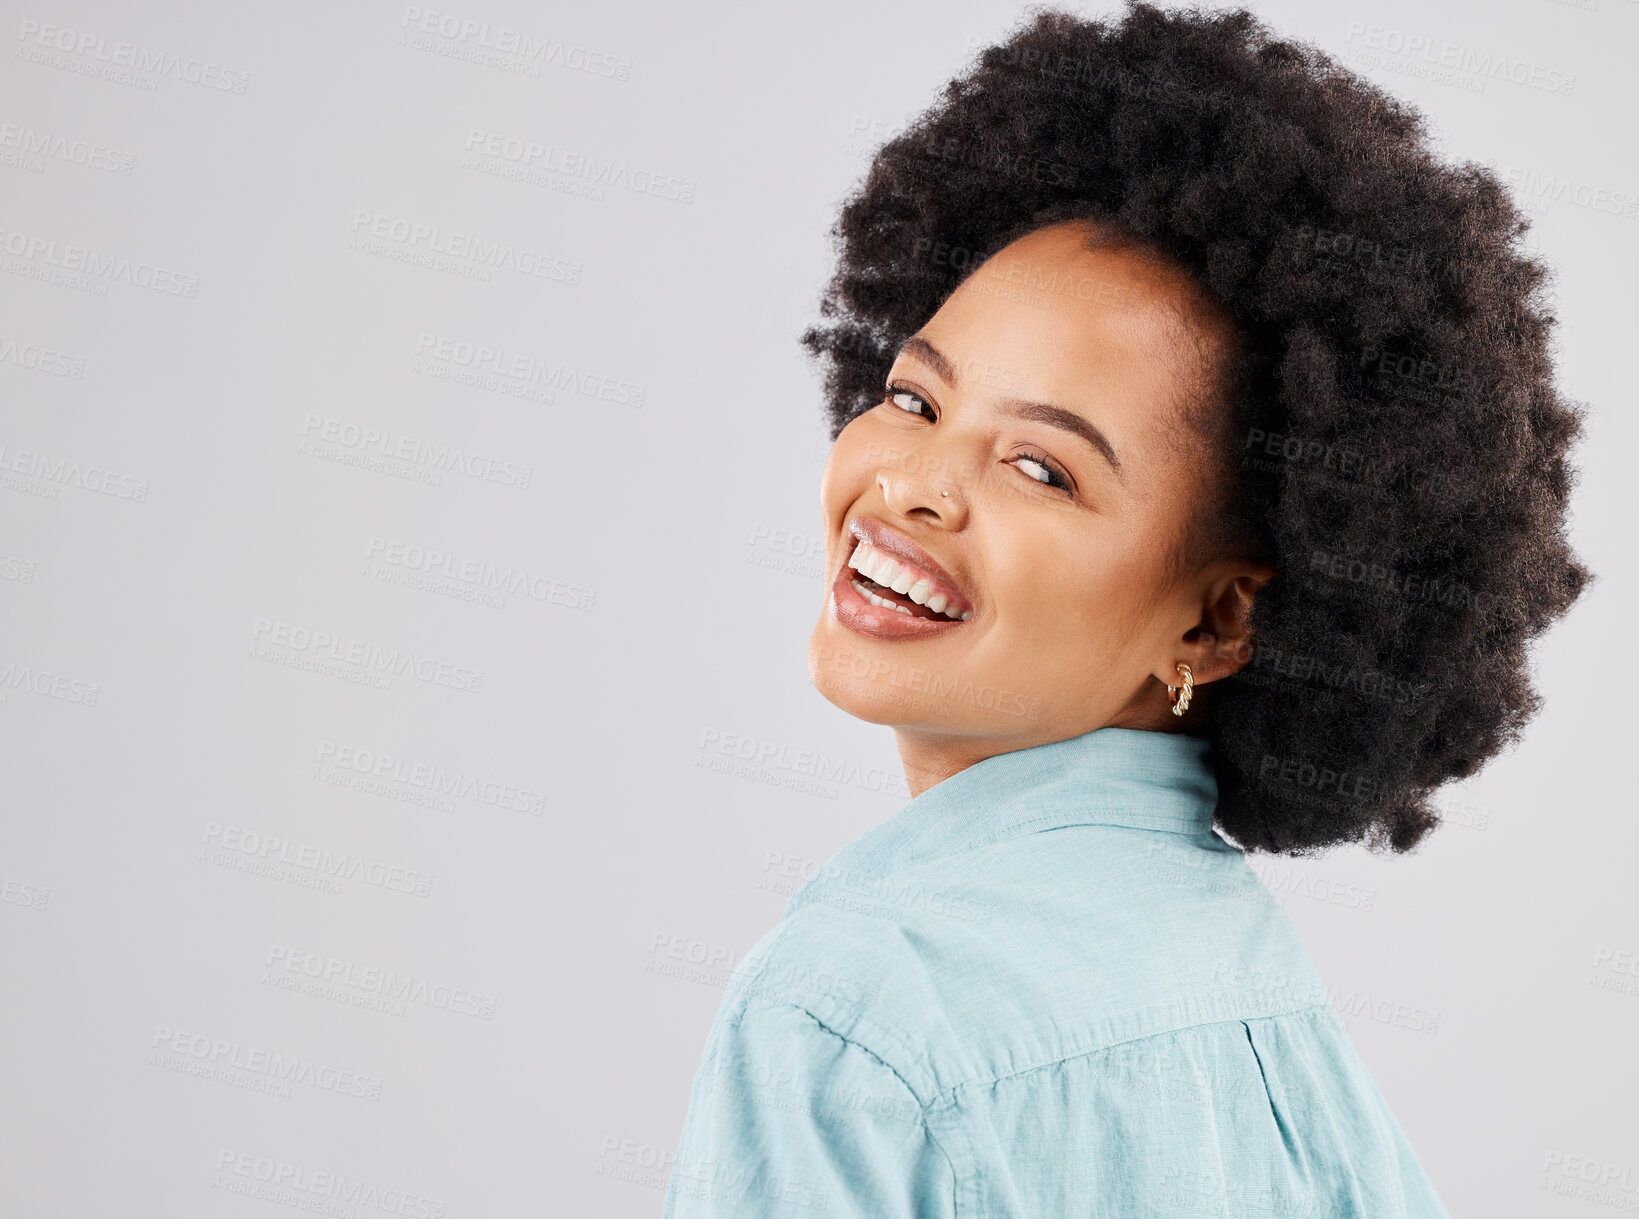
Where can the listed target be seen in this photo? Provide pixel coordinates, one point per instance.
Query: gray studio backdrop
(408, 546)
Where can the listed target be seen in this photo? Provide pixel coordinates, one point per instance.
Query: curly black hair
(1388, 435)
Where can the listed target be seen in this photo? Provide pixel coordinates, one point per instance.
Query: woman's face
(1029, 474)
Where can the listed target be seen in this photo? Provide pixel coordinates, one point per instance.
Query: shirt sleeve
(788, 1118)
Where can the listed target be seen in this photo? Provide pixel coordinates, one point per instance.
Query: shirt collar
(1160, 781)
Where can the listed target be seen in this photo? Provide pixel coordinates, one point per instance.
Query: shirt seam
(1175, 823)
(921, 1107)
(817, 884)
(1055, 821)
(949, 1094)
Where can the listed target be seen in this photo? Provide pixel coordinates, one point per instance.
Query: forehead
(1113, 331)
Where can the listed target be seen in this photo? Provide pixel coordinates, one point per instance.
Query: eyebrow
(1018, 408)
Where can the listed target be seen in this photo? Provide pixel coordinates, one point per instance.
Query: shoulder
(781, 1056)
(827, 973)
(1031, 951)
(788, 1111)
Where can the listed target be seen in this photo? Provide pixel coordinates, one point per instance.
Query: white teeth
(882, 601)
(875, 565)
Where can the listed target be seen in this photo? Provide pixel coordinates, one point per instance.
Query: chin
(861, 677)
(891, 709)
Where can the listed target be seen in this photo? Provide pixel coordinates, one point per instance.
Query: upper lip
(888, 539)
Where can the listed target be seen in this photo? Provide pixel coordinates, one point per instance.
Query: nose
(920, 484)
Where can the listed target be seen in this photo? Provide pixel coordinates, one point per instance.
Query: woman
(1198, 484)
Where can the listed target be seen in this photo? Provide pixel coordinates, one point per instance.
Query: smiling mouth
(878, 594)
(893, 584)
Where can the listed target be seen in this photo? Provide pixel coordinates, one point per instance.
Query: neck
(929, 758)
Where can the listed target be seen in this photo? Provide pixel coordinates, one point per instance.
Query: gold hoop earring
(1180, 702)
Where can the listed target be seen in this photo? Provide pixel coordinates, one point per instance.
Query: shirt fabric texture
(1045, 987)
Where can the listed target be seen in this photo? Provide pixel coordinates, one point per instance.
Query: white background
(567, 957)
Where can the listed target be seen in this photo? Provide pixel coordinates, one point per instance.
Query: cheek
(1087, 589)
(845, 475)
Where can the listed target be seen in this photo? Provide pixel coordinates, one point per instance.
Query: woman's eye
(1035, 467)
(1042, 472)
(907, 401)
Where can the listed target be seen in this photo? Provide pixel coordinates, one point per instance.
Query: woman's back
(1044, 987)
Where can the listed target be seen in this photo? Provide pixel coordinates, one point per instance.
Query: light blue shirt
(1045, 987)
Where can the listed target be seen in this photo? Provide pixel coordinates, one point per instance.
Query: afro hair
(1389, 437)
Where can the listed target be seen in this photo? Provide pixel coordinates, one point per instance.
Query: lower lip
(879, 622)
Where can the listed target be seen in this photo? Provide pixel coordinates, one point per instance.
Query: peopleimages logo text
(395, 662)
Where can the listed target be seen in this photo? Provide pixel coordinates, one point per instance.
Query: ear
(1220, 643)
